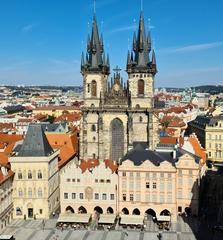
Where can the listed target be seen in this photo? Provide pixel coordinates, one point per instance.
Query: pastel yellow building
(36, 181)
(214, 140)
(55, 111)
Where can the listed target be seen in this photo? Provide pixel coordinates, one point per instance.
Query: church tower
(95, 68)
(141, 70)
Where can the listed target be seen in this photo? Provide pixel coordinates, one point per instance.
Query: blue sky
(41, 40)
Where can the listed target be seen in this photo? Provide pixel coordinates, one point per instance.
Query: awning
(132, 219)
(74, 218)
(163, 218)
(107, 218)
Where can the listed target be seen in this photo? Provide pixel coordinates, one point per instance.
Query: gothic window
(93, 128)
(93, 88)
(141, 87)
(117, 139)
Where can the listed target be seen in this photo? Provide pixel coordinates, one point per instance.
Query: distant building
(209, 131)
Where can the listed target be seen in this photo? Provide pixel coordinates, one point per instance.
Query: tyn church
(117, 115)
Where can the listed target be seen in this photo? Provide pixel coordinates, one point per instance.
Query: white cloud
(28, 27)
(127, 28)
(192, 48)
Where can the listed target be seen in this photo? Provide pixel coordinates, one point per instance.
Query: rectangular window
(124, 174)
(131, 174)
(179, 209)
(169, 186)
(124, 197)
(78, 180)
(81, 196)
(154, 199)
(138, 174)
(108, 181)
(104, 196)
(161, 175)
(169, 198)
(161, 186)
(73, 180)
(131, 185)
(40, 211)
(138, 185)
(68, 179)
(131, 198)
(179, 194)
(123, 184)
(96, 180)
(154, 175)
(190, 172)
(147, 198)
(138, 197)
(147, 184)
(169, 175)
(180, 172)
(154, 185)
(102, 180)
(96, 196)
(162, 198)
(73, 195)
(65, 195)
(209, 154)
(112, 196)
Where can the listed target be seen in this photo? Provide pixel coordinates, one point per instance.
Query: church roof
(35, 143)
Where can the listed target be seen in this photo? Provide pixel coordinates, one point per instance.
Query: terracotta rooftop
(88, 164)
(4, 178)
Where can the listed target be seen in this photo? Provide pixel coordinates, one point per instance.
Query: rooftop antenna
(94, 4)
(141, 5)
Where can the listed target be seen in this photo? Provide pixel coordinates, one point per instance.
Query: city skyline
(45, 49)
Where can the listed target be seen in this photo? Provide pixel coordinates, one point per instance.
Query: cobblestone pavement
(32, 230)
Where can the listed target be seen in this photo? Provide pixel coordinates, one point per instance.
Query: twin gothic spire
(137, 61)
(95, 60)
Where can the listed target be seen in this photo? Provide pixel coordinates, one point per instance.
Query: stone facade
(117, 115)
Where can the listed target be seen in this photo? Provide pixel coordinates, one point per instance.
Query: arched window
(39, 175)
(20, 192)
(93, 128)
(30, 193)
(140, 87)
(137, 106)
(30, 175)
(93, 88)
(117, 139)
(40, 192)
(19, 175)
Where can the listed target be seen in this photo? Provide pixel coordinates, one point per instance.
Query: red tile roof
(88, 164)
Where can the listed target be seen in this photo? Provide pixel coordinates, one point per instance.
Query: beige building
(214, 140)
(158, 184)
(6, 205)
(36, 181)
(89, 186)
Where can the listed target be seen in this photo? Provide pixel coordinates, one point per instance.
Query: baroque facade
(116, 113)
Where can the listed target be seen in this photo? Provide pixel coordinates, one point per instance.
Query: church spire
(95, 52)
(141, 50)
